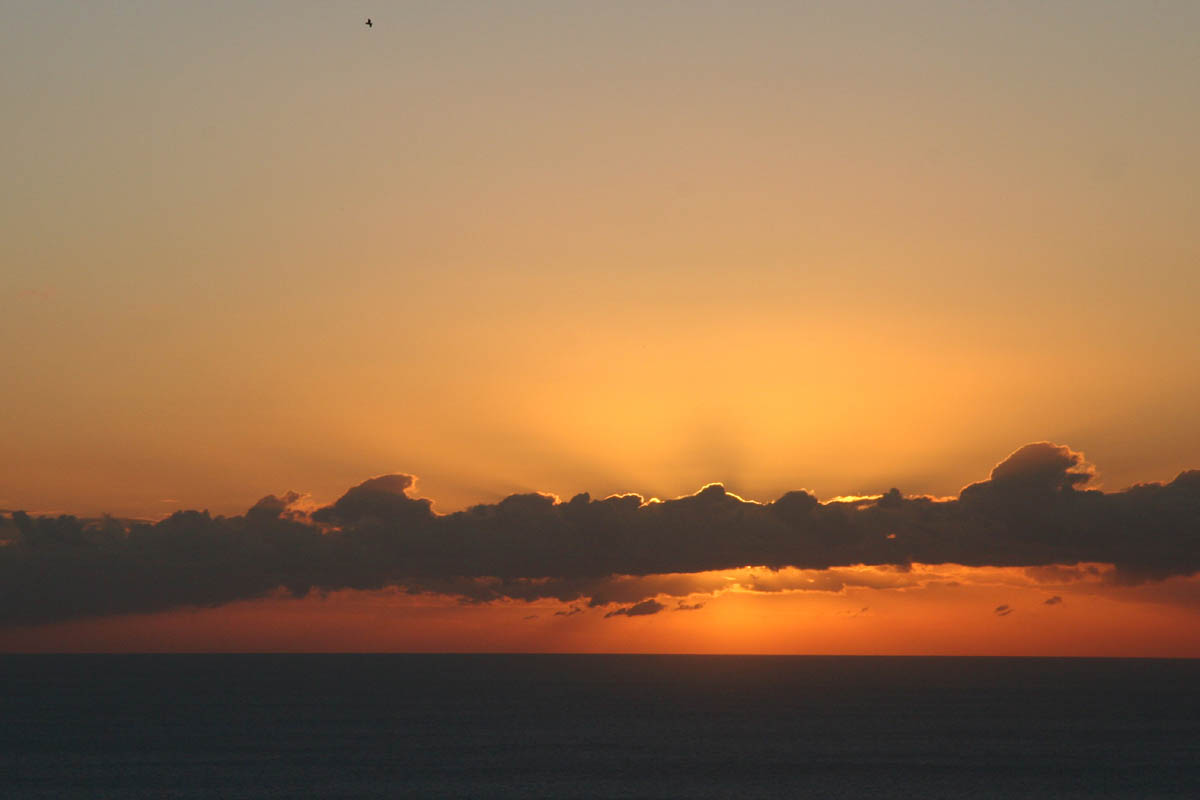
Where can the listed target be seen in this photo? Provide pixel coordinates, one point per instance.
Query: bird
(370, 24)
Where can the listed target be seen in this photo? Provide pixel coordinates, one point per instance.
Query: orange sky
(561, 247)
(592, 247)
(948, 611)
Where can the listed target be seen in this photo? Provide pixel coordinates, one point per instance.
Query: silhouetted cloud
(682, 606)
(644, 608)
(1052, 601)
(1033, 512)
(1003, 610)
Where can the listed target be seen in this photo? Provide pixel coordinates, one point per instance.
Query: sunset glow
(381, 302)
(947, 610)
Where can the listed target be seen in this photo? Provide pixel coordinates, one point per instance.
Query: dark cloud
(1003, 610)
(1036, 469)
(272, 507)
(1057, 573)
(379, 500)
(682, 606)
(642, 609)
(1052, 601)
(1034, 511)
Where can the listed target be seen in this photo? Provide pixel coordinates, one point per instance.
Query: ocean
(596, 726)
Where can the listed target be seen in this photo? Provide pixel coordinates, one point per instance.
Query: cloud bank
(1034, 510)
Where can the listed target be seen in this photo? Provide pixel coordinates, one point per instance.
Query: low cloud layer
(1033, 511)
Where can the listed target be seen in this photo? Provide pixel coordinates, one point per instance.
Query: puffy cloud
(382, 499)
(1033, 512)
(272, 507)
(1037, 469)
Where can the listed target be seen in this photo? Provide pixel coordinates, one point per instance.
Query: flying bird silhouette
(369, 24)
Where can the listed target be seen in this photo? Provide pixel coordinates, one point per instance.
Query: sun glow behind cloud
(458, 581)
(763, 243)
(933, 609)
(547, 247)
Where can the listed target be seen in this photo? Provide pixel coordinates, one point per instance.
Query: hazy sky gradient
(591, 246)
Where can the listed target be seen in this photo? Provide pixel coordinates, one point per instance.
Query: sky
(249, 249)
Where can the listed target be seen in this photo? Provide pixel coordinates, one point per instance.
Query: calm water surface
(480, 726)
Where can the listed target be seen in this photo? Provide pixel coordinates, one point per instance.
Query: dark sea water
(479, 726)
